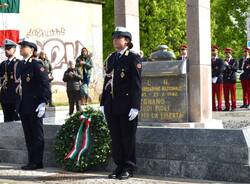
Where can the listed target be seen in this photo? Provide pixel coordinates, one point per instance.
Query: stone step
(17, 156)
(193, 153)
(195, 170)
(13, 142)
(15, 129)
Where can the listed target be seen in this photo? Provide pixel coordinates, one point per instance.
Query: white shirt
(26, 59)
(10, 59)
(123, 50)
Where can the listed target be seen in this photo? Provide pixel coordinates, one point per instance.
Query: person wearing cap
(229, 79)
(217, 66)
(8, 97)
(120, 102)
(184, 53)
(84, 64)
(35, 95)
(245, 81)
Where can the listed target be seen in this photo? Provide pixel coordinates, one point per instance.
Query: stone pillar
(199, 46)
(127, 15)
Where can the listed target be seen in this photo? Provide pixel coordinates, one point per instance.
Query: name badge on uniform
(28, 78)
(11, 77)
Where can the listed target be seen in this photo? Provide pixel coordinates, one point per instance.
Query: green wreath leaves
(98, 151)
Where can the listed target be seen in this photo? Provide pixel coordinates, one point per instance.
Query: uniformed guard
(35, 94)
(217, 78)
(184, 52)
(229, 79)
(244, 78)
(8, 97)
(121, 101)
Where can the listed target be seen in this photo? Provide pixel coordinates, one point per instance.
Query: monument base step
(194, 170)
(209, 124)
(20, 157)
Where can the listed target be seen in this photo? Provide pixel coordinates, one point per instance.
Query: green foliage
(229, 24)
(99, 148)
(108, 27)
(164, 22)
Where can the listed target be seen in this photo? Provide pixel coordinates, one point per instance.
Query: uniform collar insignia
(30, 60)
(126, 53)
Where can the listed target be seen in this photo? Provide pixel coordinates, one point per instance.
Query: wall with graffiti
(61, 29)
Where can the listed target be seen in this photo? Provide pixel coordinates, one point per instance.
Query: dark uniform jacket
(229, 74)
(217, 69)
(35, 85)
(9, 81)
(73, 81)
(246, 70)
(122, 83)
(242, 62)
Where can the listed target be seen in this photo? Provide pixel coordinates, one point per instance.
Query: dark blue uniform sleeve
(41, 76)
(136, 67)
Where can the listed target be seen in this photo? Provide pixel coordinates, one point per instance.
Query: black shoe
(125, 175)
(225, 109)
(243, 106)
(32, 167)
(114, 175)
(233, 109)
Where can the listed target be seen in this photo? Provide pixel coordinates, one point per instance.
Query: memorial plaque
(164, 96)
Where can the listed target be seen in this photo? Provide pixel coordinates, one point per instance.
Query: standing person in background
(229, 79)
(85, 64)
(35, 94)
(184, 53)
(8, 97)
(217, 78)
(244, 78)
(48, 67)
(73, 78)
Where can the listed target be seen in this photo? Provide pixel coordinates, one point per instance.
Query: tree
(229, 24)
(164, 22)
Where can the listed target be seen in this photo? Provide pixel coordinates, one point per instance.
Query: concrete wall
(61, 28)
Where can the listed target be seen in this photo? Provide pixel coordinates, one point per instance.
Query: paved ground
(11, 174)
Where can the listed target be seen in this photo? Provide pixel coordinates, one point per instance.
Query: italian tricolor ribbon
(82, 140)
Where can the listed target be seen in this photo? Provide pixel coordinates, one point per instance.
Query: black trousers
(123, 137)
(34, 138)
(10, 112)
(74, 99)
(50, 94)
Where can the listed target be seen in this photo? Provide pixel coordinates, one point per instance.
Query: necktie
(118, 55)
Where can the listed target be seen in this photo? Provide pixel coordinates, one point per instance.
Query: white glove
(41, 110)
(102, 109)
(132, 114)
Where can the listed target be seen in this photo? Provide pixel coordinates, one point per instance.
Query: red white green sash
(82, 140)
